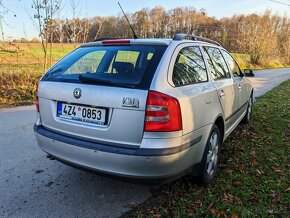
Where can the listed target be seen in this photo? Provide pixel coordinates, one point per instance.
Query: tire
(210, 159)
(246, 119)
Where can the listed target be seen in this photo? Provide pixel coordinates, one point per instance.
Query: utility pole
(2, 32)
(2, 13)
(1, 28)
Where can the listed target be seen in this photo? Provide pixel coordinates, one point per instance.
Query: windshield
(125, 65)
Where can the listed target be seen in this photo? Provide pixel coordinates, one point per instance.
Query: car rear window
(114, 65)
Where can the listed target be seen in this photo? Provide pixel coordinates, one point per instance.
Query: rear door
(99, 93)
(190, 77)
(222, 81)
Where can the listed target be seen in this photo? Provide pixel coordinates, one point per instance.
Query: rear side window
(132, 66)
(189, 67)
(233, 66)
(217, 64)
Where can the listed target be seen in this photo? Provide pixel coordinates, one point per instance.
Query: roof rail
(181, 36)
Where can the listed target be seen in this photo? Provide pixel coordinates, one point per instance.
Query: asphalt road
(265, 80)
(33, 186)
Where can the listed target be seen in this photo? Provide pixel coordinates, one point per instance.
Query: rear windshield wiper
(89, 78)
(57, 70)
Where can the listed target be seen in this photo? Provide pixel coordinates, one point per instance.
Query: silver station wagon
(143, 108)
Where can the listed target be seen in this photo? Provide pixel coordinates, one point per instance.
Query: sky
(21, 25)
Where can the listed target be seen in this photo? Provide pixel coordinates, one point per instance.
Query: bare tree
(265, 37)
(44, 14)
(75, 13)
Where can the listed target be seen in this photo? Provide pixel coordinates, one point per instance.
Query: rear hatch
(98, 92)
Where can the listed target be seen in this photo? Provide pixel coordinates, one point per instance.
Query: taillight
(36, 100)
(162, 113)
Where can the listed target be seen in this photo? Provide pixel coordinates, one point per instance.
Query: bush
(18, 87)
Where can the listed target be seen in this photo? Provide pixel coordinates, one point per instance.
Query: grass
(21, 66)
(28, 57)
(245, 63)
(254, 176)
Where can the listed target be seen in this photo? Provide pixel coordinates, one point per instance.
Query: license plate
(81, 113)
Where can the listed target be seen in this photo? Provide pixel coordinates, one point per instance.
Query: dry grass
(17, 88)
(21, 66)
(28, 57)
(245, 63)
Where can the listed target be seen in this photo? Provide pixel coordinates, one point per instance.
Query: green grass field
(28, 57)
(21, 65)
(253, 179)
(245, 62)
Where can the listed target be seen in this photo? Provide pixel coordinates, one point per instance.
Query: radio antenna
(135, 36)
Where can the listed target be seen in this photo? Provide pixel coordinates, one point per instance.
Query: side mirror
(249, 73)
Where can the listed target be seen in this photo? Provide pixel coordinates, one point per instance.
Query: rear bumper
(137, 163)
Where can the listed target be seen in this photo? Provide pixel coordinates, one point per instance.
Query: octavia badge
(77, 93)
(130, 102)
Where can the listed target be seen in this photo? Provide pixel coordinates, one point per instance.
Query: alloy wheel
(250, 108)
(212, 155)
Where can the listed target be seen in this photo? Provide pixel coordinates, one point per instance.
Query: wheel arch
(221, 125)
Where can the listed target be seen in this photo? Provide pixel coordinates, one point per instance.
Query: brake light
(36, 99)
(116, 41)
(162, 113)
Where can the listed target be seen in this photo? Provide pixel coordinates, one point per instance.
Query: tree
(265, 37)
(257, 38)
(45, 11)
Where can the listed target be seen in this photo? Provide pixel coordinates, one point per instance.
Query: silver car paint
(201, 104)
(123, 165)
(108, 97)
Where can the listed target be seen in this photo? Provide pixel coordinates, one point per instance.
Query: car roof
(147, 41)
(179, 38)
(131, 41)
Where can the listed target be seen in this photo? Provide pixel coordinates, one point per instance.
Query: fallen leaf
(278, 171)
(227, 198)
(217, 212)
(230, 171)
(210, 205)
(270, 211)
(228, 187)
(198, 202)
(253, 154)
(258, 171)
(254, 163)
(239, 200)
(276, 197)
(254, 200)
(236, 183)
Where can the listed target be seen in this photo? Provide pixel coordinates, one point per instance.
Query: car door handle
(222, 93)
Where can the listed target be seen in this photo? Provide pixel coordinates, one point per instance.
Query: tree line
(264, 36)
